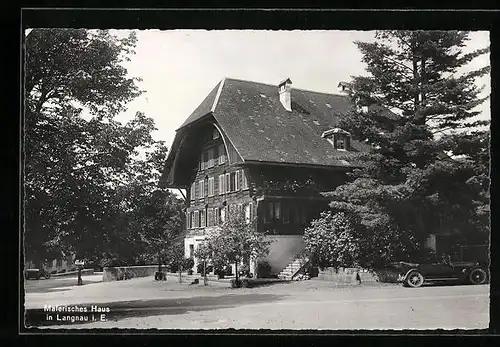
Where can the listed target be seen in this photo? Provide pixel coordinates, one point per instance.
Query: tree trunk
(180, 273)
(236, 270)
(79, 281)
(205, 280)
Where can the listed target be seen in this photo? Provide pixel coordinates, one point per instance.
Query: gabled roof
(252, 117)
(260, 128)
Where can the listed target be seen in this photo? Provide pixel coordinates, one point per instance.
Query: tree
(159, 223)
(78, 160)
(236, 240)
(420, 120)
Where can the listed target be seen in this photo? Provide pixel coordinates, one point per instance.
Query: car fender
(408, 272)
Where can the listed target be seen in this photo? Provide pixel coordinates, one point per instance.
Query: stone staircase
(291, 272)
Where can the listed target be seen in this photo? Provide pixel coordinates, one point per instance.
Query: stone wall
(126, 272)
(346, 275)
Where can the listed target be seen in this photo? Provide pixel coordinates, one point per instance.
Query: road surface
(143, 304)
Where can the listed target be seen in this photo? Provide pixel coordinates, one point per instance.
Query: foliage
(236, 240)
(88, 178)
(427, 171)
(263, 269)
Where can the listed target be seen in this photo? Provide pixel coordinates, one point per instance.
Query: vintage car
(36, 274)
(414, 275)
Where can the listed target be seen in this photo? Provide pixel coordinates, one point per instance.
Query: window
(232, 181)
(192, 194)
(216, 215)
(277, 210)
(202, 219)
(268, 215)
(239, 209)
(201, 194)
(196, 223)
(286, 214)
(202, 163)
(303, 215)
(228, 184)
(237, 183)
(211, 186)
(222, 188)
(205, 159)
(222, 155)
(192, 222)
(215, 134)
(244, 182)
(210, 155)
(210, 217)
(340, 144)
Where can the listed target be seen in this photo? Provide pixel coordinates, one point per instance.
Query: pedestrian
(358, 277)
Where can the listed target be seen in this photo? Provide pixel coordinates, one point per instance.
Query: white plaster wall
(283, 250)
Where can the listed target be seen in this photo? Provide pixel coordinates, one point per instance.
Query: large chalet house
(267, 150)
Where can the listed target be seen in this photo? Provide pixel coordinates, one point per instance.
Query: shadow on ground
(146, 308)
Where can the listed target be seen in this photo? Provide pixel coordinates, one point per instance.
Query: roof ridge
(276, 85)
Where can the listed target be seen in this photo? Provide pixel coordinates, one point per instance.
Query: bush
(263, 269)
(199, 268)
(244, 271)
(236, 284)
(188, 263)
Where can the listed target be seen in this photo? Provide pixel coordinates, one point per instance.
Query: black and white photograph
(208, 180)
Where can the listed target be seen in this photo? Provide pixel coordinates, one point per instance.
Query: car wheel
(47, 276)
(478, 276)
(414, 279)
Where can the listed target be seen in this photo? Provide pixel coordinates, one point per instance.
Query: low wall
(74, 273)
(117, 273)
(346, 275)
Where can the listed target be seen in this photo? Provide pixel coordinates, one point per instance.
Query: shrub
(263, 269)
(200, 266)
(236, 283)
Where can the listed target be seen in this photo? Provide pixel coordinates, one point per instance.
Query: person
(358, 277)
(80, 282)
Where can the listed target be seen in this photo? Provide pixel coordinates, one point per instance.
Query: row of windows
(213, 156)
(276, 211)
(229, 182)
(213, 216)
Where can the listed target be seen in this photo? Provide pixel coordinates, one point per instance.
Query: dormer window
(338, 138)
(340, 144)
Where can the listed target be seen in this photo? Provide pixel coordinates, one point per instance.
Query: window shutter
(238, 175)
(221, 184)
(202, 219)
(228, 183)
(196, 219)
(244, 182)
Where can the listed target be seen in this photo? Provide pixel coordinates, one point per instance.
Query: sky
(179, 68)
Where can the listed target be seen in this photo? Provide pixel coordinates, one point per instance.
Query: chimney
(343, 87)
(285, 88)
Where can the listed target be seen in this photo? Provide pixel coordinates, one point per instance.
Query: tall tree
(77, 157)
(426, 172)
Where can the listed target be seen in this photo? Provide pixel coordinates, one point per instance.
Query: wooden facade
(284, 199)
